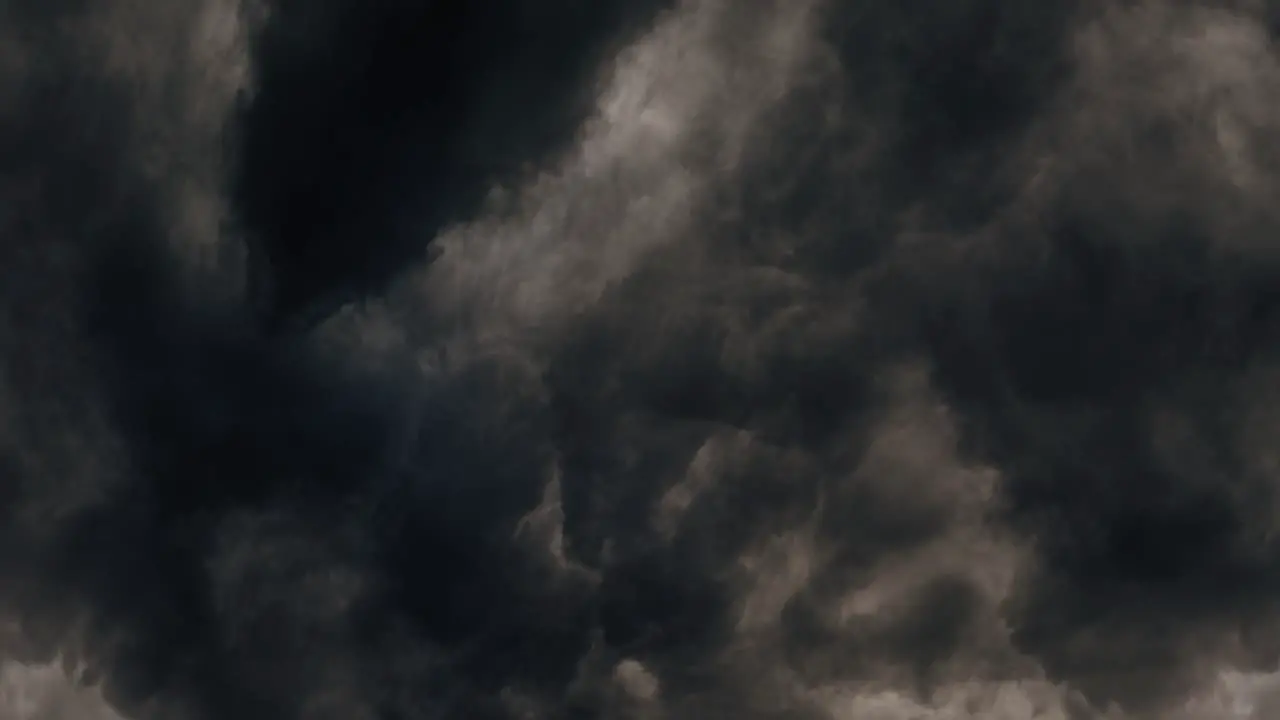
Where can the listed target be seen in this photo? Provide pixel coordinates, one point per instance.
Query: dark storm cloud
(817, 360)
(1106, 377)
(372, 125)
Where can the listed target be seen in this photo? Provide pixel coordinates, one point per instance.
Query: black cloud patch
(372, 125)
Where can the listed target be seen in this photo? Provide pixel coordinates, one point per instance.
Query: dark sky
(640, 359)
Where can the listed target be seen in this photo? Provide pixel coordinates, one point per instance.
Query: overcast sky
(639, 360)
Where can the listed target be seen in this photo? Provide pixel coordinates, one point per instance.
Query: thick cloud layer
(765, 359)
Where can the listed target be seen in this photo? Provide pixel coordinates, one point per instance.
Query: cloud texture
(639, 360)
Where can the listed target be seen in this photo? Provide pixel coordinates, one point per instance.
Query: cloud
(648, 360)
(44, 693)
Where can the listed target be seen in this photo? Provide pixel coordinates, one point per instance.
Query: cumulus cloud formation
(639, 360)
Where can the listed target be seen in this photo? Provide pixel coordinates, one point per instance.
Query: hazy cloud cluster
(639, 360)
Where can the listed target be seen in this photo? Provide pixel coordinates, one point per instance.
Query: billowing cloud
(651, 360)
